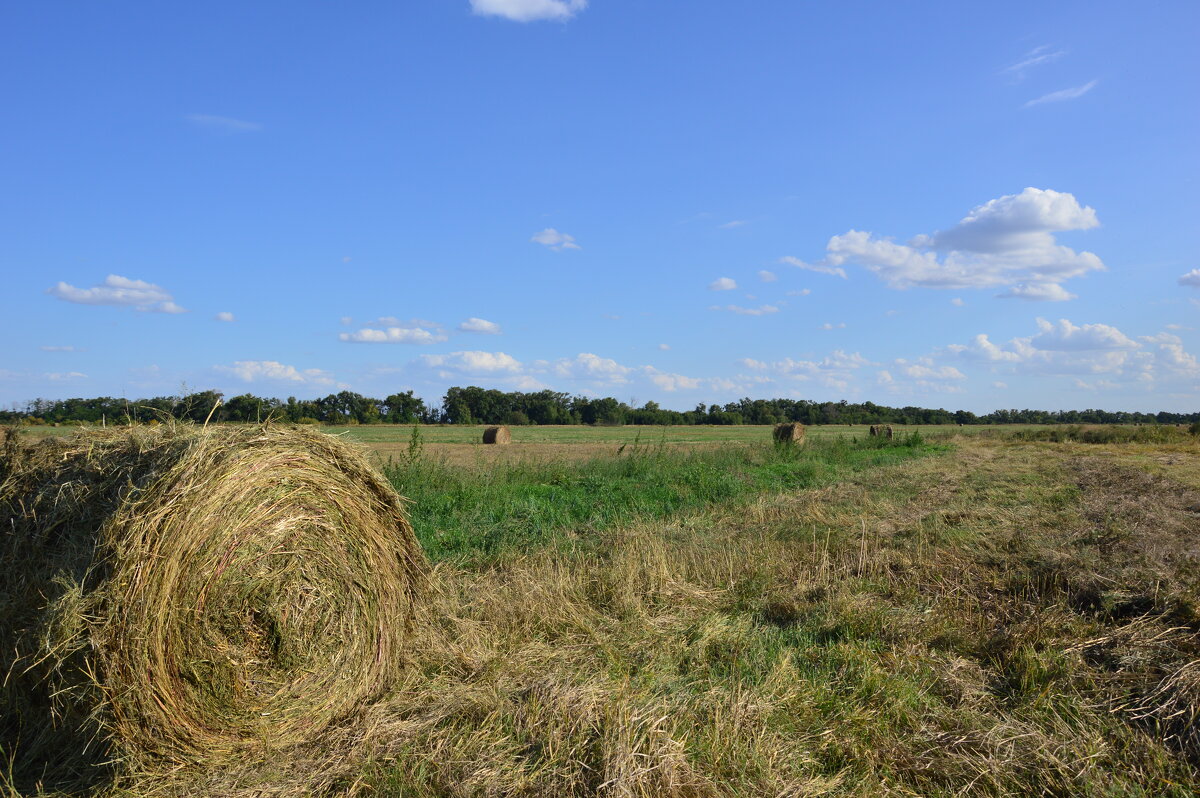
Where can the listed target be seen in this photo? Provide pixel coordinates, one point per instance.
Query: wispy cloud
(761, 310)
(118, 291)
(819, 268)
(61, 349)
(555, 240)
(732, 224)
(529, 10)
(1064, 94)
(1035, 57)
(224, 124)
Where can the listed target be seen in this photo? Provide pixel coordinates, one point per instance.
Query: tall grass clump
(476, 514)
(183, 599)
(1150, 433)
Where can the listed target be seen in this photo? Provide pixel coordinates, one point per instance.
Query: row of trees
(473, 405)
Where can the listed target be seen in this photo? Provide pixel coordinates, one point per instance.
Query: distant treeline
(474, 405)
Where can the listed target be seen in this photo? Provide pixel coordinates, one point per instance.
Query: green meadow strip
(474, 515)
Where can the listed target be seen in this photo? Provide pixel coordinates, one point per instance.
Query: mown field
(696, 612)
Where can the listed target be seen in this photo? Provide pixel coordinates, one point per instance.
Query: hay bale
(789, 434)
(183, 596)
(874, 431)
(887, 432)
(497, 435)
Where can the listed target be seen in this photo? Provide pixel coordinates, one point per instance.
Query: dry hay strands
(189, 599)
(789, 434)
(497, 435)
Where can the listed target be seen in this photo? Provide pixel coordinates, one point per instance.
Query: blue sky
(960, 205)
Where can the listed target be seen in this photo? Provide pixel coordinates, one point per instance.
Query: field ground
(949, 615)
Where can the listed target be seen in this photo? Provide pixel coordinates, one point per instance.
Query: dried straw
(497, 435)
(789, 433)
(187, 596)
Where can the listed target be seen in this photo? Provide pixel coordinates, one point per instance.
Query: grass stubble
(999, 618)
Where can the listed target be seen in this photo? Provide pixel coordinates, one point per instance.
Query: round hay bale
(497, 435)
(887, 432)
(874, 431)
(789, 434)
(179, 596)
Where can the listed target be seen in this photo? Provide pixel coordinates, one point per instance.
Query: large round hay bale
(187, 596)
(789, 433)
(497, 435)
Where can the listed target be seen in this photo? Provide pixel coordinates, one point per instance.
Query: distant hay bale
(874, 431)
(789, 433)
(887, 432)
(184, 596)
(497, 435)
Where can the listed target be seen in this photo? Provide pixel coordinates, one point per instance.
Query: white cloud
(801, 292)
(346, 321)
(671, 382)
(761, 310)
(1038, 292)
(480, 326)
(120, 291)
(1066, 337)
(64, 376)
(1006, 242)
(256, 370)
(722, 284)
(1000, 385)
(831, 326)
(926, 371)
(820, 268)
(587, 366)
(1192, 278)
(664, 347)
(393, 335)
(474, 362)
(732, 224)
(529, 10)
(767, 276)
(224, 315)
(957, 302)
(1035, 57)
(834, 371)
(1065, 94)
(555, 240)
(61, 349)
(223, 124)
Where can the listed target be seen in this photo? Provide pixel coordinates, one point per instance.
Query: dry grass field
(960, 615)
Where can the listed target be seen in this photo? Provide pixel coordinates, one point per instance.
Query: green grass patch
(476, 514)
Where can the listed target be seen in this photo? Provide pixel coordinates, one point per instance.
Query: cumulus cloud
(1064, 94)
(117, 291)
(224, 315)
(767, 276)
(671, 382)
(664, 347)
(586, 366)
(1066, 337)
(473, 362)
(722, 284)
(529, 10)
(272, 370)
(393, 335)
(223, 124)
(926, 371)
(480, 326)
(555, 240)
(834, 371)
(820, 268)
(761, 310)
(841, 325)
(1006, 242)
(801, 292)
(64, 376)
(1192, 278)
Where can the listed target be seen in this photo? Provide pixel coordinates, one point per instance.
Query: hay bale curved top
(789, 433)
(499, 434)
(183, 595)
